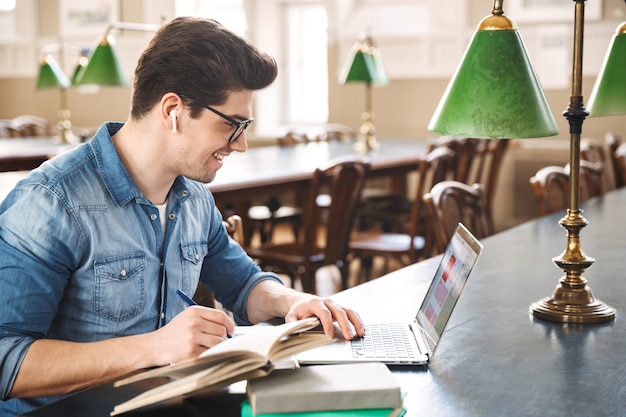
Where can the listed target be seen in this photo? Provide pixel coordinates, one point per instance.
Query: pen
(186, 298)
(190, 302)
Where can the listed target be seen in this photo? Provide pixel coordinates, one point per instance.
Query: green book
(246, 411)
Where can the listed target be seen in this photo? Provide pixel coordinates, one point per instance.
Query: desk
(494, 358)
(27, 153)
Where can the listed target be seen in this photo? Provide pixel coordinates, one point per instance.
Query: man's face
(204, 142)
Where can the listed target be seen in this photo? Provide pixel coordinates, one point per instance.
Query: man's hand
(192, 332)
(328, 312)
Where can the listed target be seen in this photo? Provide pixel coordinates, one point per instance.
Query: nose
(240, 145)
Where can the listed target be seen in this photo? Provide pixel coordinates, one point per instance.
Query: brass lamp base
(584, 309)
(572, 300)
(367, 141)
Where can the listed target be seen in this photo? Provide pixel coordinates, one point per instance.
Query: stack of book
(347, 390)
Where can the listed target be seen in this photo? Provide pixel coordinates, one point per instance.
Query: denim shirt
(84, 259)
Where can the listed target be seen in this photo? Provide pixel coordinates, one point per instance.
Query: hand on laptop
(328, 312)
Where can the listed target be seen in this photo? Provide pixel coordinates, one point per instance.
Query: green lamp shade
(608, 96)
(495, 93)
(80, 67)
(363, 66)
(51, 74)
(103, 68)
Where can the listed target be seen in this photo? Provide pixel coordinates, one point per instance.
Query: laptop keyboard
(383, 340)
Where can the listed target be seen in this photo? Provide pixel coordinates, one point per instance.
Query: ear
(170, 110)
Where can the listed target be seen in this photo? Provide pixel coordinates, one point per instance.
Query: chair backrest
(29, 125)
(475, 160)
(434, 168)
(343, 181)
(593, 151)
(464, 153)
(550, 187)
(451, 202)
(487, 164)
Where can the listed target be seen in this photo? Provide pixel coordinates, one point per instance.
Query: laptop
(410, 343)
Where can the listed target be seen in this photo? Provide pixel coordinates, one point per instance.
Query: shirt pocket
(120, 288)
(192, 255)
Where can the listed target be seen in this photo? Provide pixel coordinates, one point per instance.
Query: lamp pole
(572, 300)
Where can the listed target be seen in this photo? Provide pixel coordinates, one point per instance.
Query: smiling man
(96, 241)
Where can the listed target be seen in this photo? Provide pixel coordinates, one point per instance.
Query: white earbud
(173, 115)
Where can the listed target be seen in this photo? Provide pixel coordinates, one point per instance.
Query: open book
(248, 356)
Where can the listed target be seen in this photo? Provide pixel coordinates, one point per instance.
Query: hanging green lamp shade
(494, 93)
(608, 96)
(51, 74)
(103, 68)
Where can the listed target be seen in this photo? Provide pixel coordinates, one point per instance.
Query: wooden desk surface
(494, 359)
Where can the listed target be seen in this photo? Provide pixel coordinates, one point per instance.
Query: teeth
(218, 156)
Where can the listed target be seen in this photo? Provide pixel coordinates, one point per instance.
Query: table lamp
(608, 96)
(495, 94)
(52, 76)
(365, 65)
(103, 67)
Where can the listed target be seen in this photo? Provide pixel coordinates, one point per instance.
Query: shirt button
(171, 216)
(185, 193)
(162, 315)
(153, 217)
(197, 256)
(123, 272)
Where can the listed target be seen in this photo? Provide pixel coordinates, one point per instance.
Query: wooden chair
(29, 125)
(417, 242)
(234, 227)
(550, 186)
(451, 202)
(325, 238)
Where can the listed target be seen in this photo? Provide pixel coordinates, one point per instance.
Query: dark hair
(199, 58)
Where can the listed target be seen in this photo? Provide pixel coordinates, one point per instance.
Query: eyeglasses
(240, 127)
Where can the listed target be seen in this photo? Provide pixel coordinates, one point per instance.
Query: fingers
(328, 312)
(348, 320)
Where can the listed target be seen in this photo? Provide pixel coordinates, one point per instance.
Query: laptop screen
(458, 260)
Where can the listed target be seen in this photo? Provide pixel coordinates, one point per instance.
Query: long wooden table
(494, 359)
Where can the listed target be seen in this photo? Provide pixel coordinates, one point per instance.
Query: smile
(218, 156)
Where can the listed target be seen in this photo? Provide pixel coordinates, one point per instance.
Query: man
(96, 241)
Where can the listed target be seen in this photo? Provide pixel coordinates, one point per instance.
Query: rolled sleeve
(12, 352)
